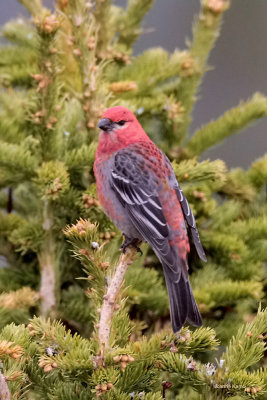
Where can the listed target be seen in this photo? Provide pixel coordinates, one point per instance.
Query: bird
(139, 192)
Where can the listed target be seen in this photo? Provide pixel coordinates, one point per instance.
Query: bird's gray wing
(137, 191)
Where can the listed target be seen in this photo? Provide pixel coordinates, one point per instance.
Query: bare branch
(110, 297)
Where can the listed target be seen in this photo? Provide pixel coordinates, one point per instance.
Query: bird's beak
(105, 124)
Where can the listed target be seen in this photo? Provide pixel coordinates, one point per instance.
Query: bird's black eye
(121, 123)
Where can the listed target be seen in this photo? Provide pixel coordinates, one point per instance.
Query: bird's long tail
(182, 302)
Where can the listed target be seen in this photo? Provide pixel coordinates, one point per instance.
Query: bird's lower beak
(105, 124)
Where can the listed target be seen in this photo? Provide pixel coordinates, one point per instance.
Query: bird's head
(119, 128)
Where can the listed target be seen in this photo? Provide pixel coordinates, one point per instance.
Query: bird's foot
(131, 242)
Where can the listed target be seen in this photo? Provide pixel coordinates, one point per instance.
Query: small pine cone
(53, 120)
(123, 365)
(91, 125)
(104, 387)
(48, 368)
(216, 6)
(104, 265)
(77, 52)
(42, 363)
(174, 349)
(16, 355)
(192, 366)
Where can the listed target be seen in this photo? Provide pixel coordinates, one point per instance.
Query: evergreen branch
(3, 199)
(12, 121)
(94, 95)
(34, 7)
(16, 55)
(152, 71)
(252, 382)
(109, 298)
(74, 305)
(191, 170)
(24, 297)
(27, 236)
(13, 277)
(52, 179)
(257, 174)
(237, 186)
(147, 285)
(222, 245)
(222, 215)
(226, 292)
(180, 364)
(45, 100)
(129, 22)
(16, 163)
(21, 34)
(102, 16)
(250, 229)
(8, 223)
(17, 316)
(248, 346)
(205, 32)
(228, 124)
(82, 157)
(4, 391)
(15, 75)
(85, 241)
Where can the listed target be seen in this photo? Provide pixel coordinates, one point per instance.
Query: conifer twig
(4, 391)
(110, 297)
(231, 122)
(205, 32)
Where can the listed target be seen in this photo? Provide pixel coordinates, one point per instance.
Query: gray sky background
(239, 62)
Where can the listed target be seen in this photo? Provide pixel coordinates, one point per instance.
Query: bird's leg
(130, 242)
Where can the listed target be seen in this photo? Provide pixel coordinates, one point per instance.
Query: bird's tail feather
(182, 302)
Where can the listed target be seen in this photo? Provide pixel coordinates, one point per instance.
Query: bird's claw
(130, 242)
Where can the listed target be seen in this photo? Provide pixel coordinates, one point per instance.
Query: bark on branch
(111, 295)
(48, 266)
(48, 284)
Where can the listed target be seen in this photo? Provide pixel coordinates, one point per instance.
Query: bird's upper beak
(105, 124)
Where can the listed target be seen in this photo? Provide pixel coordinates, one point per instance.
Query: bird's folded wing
(137, 193)
(189, 217)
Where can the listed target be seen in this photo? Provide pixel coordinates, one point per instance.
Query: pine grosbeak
(139, 192)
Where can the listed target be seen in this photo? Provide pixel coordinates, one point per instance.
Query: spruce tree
(78, 320)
